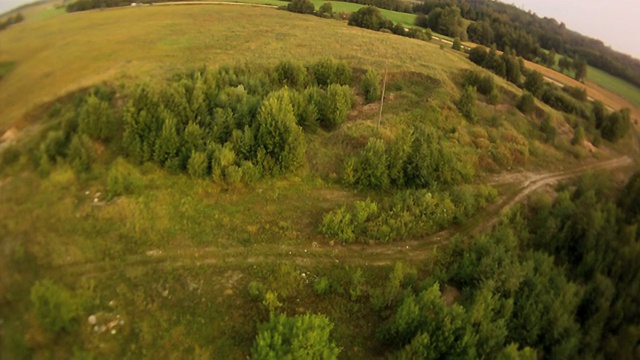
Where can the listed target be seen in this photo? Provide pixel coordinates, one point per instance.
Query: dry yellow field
(59, 55)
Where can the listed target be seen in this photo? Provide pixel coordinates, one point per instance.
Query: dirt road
(310, 254)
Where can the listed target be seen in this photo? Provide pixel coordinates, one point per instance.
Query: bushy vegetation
(408, 214)
(298, 337)
(232, 125)
(569, 100)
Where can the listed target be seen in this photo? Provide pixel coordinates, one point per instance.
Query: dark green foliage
(577, 92)
(280, 140)
(565, 63)
(421, 20)
(292, 74)
(484, 83)
(534, 83)
(326, 10)
(328, 71)
(616, 126)
(370, 85)
(580, 67)
(96, 119)
(298, 337)
(80, 152)
(562, 101)
(335, 106)
(526, 103)
(578, 136)
(369, 17)
(423, 213)
(301, 6)
(457, 44)
(54, 306)
(467, 104)
(478, 55)
(548, 130)
(372, 166)
(447, 21)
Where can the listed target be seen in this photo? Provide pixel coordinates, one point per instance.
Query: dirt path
(521, 185)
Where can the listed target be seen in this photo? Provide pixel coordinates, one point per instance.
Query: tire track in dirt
(353, 254)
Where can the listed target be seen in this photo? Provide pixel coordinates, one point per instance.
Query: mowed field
(59, 55)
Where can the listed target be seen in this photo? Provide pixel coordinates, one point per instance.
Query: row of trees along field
(490, 22)
(557, 278)
(596, 119)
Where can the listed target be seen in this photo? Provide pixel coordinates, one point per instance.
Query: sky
(615, 22)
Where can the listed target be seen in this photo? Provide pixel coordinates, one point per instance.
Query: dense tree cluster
(503, 24)
(557, 280)
(234, 124)
(571, 100)
(369, 17)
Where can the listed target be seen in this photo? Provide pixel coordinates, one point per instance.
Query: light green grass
(49, 13)
(614, 84)
(130, 44)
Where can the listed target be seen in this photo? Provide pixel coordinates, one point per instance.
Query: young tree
(467, 103)
(534, 83)
(368, 17)
(580, 66)
(335, 106)
(301, 6)
(54, 306)
(326, 10)
(371, 86)
(565, 63)
(299, 337)
(279, 139)
(457, 45)
(526, 103)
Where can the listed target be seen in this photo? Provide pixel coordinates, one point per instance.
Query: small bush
(256, 291)
(467, 104)
(526, 103)
(301, 6)
(371, 86)
(123, 179)
(197, 165)
(321, 286)
(335, 106)
(326, 10)
(54, 306)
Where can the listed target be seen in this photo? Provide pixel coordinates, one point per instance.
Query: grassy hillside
(143, 43)
(111, 249)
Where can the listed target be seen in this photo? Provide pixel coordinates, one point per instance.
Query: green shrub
(197, 167)
(80, 153)
(321, 286)
(338, 224)
(457, 44)
(327, 71)
(526, 103)
(548, 130)
(122, 179)
(297, 337)
(291, 73)
(369, 17)
(54, 306)
(371, 86)
(326, 10)
(232, 175)
(335, 106)
(301, 6)
(96, 119)
(467, 104)
(256, 290)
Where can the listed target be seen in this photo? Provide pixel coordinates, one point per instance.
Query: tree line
(11, 20)
(232, 124)
(610, 126)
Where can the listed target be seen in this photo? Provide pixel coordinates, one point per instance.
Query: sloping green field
(66, 53)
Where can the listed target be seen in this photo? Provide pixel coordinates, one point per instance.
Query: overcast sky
(613, 21)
